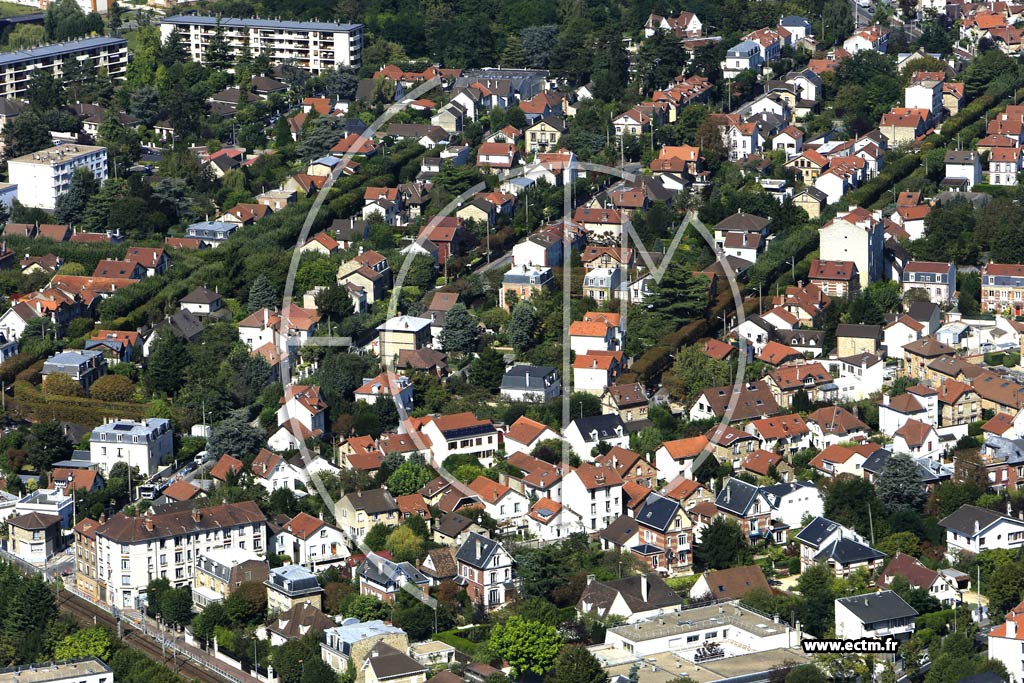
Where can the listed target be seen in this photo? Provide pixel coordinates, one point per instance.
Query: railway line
(89, 614)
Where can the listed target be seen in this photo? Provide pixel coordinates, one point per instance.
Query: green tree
(377, 537)
(528, 646)
(900, 542)
(263, 294)
(365, 608)
(523, 326)
(247, 603)
(805, 673)
(575, 664)
(112, 388)
(47, 444)
(236, 437)
(167, 358)
(659, 60)
(61, 384)
(404, 544)
(218, 52)
(488, 369)
(461, 331)
(816, 587)
(722, 545)
(44, 91)
(899, 485)
(25, 35)
(410, 477)
(1005, 588)
(848, 500)
(334, 303)
(70, 206)
(89, 642)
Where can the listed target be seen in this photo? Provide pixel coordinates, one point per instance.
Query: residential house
(972, 529)
(311, 542)
(485, 569)
(875, 615)
(586, 433)
(357, 512)
(384, 579)
(637, 598)
(594, 493)
(728, 584)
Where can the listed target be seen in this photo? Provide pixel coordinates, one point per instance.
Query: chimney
(590, 579)
(1011, 626)
(196, 515)
(977, 527)
(1009, 509)
(149, 523)
(643, 587)
(103, 518)
(885, 399)
(266, 317)
(479, 549)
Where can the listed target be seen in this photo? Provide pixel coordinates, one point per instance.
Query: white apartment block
(137, 444)
(314, 46)
(16, 67)
(131, 551)
(85, 670)
(43, 176)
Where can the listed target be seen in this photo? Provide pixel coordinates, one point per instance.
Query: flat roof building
(311, 45)
(16, 67)
(44, 175)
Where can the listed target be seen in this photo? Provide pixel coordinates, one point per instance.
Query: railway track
(89, 614)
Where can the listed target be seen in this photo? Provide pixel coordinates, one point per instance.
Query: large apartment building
(311, 45)
(131, 551)
(16, 67)
(43, 176)
(1002, 288)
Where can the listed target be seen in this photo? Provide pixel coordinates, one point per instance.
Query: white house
(387, 387)
(900, 332)
(732, 628)
(137, 444)
(745, 55)
(594, 371)
(15, 319)
(303, 405)
(973, 529)
(676, 458)
(918, 439)
(1006, 642)
(940, 586)
(549, 520)
(874, 615)
(503, 504)
(311, 542)
(461, 433)
(937, 279)
(585, 433)
(531, 383)
(594, 494)
(525, 434)
(585, 337)
(857, 377)
(1004, 163)
(896, 411)
(793, 500)
(964, 165)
